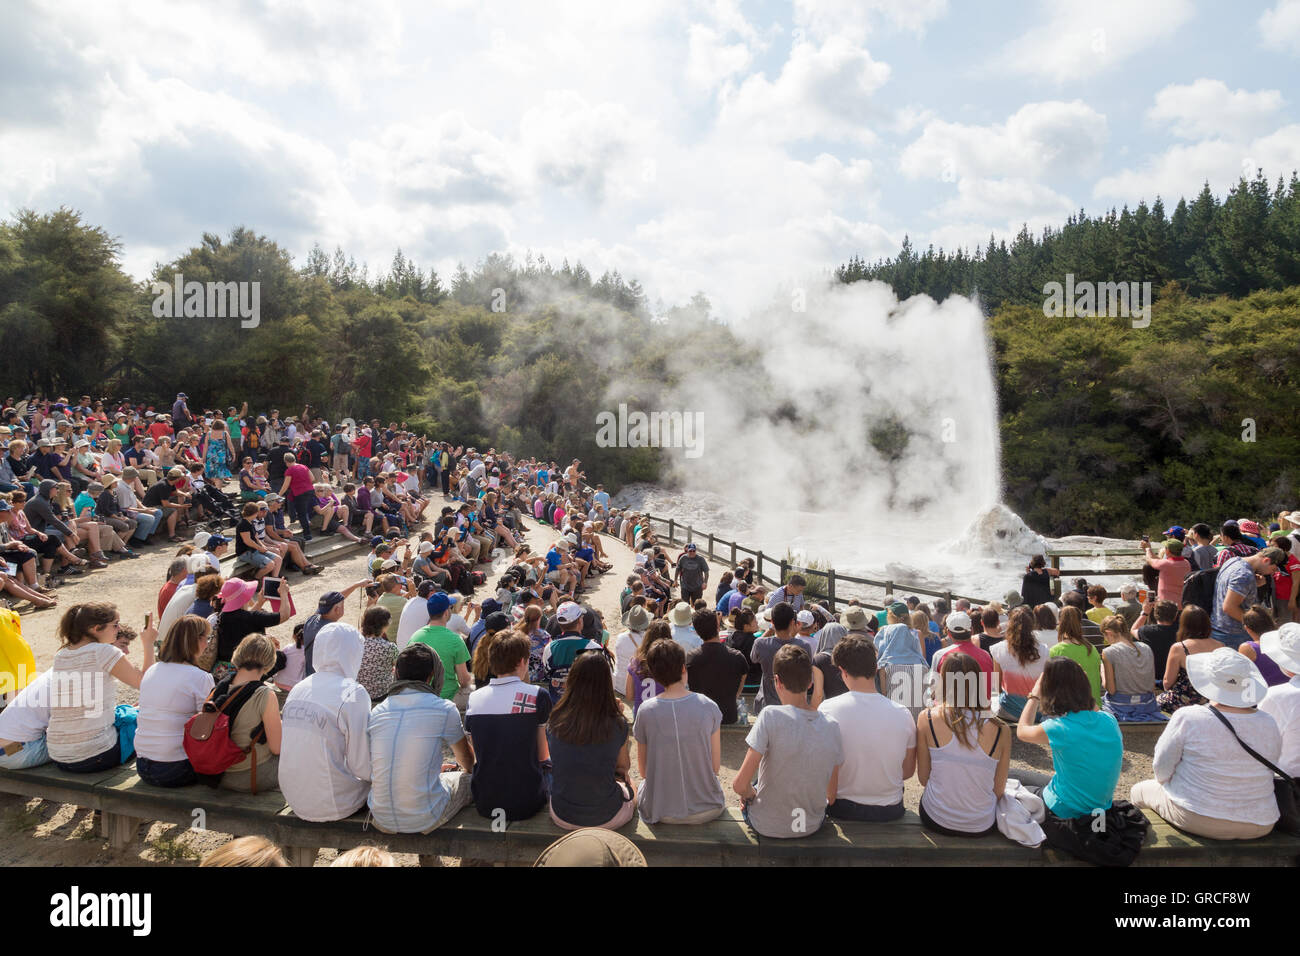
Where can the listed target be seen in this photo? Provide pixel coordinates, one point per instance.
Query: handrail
(712, 543)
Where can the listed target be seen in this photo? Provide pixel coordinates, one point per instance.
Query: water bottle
(742, 713)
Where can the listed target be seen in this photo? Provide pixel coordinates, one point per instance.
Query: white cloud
(827, 91)
(711, 59)
(1181, 170)
(852, 19)
(1014, 201)
(1039, 139)
(1085, 37)
(1279, 26)
(1207, 108)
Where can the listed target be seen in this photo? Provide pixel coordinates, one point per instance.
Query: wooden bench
(125, 802)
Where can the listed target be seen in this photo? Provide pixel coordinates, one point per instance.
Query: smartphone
(148, 620)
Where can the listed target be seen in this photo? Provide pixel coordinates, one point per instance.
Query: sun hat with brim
(855, 619)
(636, 619)
(1282, 646)
(235, 593)
(681, 614)
(1226, 677)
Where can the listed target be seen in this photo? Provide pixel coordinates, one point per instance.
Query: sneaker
(97, 563)
(126, 553)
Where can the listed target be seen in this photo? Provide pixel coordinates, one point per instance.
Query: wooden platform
(126, 802)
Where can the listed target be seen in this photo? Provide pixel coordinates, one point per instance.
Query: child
(678, 745)
(796, 752)
(295, 663)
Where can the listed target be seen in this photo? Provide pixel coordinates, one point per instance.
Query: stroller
(221, 508)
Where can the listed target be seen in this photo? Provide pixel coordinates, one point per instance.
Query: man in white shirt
(879, 739)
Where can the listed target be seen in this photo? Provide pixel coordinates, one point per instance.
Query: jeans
(1230, 640)
(109, 759)
(32, 755)
(300, 508)
(149, 522)
(165, 773)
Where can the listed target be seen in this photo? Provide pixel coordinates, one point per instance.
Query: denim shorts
(33, 754)
(257, 559)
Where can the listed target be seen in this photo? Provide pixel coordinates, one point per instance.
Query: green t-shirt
(450, 647)
(394, 602)
(232, 426)
(1086, 657)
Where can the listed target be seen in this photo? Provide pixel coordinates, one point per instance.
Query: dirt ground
(41, 833)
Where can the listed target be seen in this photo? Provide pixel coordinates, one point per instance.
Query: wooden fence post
(780, 578)
(889, 589)
(670, 530)
(710, 545)
(830, 588)
(1056, 578)
(733, 554)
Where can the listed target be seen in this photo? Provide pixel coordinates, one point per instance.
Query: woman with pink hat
(241, 615)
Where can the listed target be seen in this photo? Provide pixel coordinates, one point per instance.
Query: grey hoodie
(39, 513)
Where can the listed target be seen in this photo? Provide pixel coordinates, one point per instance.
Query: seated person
(23, 724)
(962, 755)
(325, 754)
(171, 692)
(1128, 674)
(506, 721)
(255, 725)
(410, 793)
(1205, 781)
(878, 734)
(678, 745)
(795, 751)
(1086, 744)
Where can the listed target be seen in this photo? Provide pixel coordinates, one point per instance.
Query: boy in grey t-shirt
(678, 745)
(796, 753)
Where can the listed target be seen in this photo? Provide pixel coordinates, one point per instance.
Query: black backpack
(1198, 589)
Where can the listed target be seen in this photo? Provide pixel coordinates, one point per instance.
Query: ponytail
(78, 620)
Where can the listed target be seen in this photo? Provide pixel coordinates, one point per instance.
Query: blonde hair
(256, 650)
(246, 851)
(365, 856)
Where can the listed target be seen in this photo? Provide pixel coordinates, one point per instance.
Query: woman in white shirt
(83, 733)
(171, 693)
(1205, 781)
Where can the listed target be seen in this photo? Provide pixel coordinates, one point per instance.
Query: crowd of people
(519, 703)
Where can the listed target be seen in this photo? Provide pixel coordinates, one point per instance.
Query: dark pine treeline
(1248, 242)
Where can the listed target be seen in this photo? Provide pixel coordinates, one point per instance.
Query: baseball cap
(375, 542)
(390, 564)
(690, 546)
(328, 600)
(439, 602)
(217, 540)
(806, 619)
(1177, 531)
(426, 547)
(272, 498)
(958, 621)
(496, 621)
(898, 609)
(569, 613)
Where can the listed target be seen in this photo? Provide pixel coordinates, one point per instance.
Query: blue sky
(722, 146)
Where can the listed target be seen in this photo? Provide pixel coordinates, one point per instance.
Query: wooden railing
(730, 552)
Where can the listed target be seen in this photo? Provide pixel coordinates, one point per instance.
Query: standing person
(1206, 782)
(1286, 581)
(878, 734)
(1202, 552)
(678, 746)
(963, 757)
(1036, 585)
(1172, 567)
(795, 751)
(1071, 643)
(714, 669)
(408, 733)
(791, 593)
(324, 770)
(299, 490)
(506, 721)
(587, 737)
(84, 734)
(1086, 744)
(339, 454)
(692, 574)
(219, 453)
(1235, 593)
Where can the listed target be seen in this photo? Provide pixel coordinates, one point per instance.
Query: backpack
(1198, 589)
(207, 741)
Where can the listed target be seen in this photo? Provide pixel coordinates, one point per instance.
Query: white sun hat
(1226, 677)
